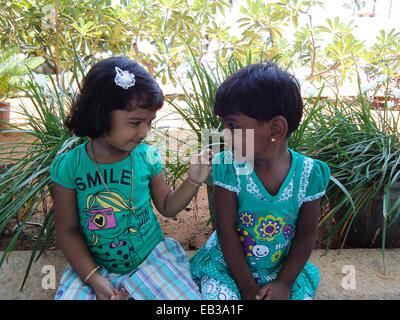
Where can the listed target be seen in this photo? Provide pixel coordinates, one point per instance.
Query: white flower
(390, 104)
(396, 93)
(382, 78)
(124, 79)
(368, 86)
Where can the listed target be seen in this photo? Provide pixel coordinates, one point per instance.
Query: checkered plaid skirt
(163, 275)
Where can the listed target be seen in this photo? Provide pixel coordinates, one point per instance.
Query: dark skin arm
(302, 245)
(71, 242)
(226, 220)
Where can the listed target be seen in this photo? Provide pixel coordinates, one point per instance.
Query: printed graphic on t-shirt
(264, 238)
(113, 229)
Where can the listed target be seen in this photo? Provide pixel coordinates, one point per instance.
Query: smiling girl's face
(129, 128)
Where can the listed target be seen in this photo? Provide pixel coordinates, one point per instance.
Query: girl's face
(129, 128)
(237, 127)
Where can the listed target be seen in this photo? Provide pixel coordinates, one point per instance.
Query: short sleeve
(154, 161)
(61, 171)
(319, 180)
(223, 171)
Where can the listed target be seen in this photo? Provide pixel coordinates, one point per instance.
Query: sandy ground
(352, 274)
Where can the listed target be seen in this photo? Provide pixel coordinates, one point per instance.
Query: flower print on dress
(247, 219)
(269, 227)
(288, 231)
(251, 249)
(248, 242)
(276, 256)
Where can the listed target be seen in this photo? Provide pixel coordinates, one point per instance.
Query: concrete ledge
(371, 283)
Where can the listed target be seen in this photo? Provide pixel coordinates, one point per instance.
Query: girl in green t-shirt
(103, 189)
(267, 200)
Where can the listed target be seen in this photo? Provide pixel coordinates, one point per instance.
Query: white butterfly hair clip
(124, 79)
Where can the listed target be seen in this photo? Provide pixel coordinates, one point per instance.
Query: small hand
(250, 293)
(276, 290)
(121, 295)
(104, 289)
(200, 166)
(248, 296)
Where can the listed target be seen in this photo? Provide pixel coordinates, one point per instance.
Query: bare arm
(70, 240)
(68, 232)
(226, 206)
(302, 246)
(169, 203)
(303, 242)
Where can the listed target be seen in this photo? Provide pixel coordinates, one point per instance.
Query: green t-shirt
(267, 223)
(118, 239)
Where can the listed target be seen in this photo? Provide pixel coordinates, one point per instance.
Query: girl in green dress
(268, 201)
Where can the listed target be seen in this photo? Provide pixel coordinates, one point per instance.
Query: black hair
(99, 95)
(261, 91)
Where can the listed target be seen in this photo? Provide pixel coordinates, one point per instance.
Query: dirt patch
(17, 143)
(190, 227)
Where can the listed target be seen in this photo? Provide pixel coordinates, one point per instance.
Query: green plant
(362, 148)
(25, 184)
(328, 53)
(13, 67)
(200, 86)
(175, 147)
(50, 28)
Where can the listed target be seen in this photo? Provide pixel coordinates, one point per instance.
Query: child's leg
(73, 288)
(212, 289)
(163, 275)
(306, 283)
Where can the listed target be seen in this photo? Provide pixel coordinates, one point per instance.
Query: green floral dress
(266, 225)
